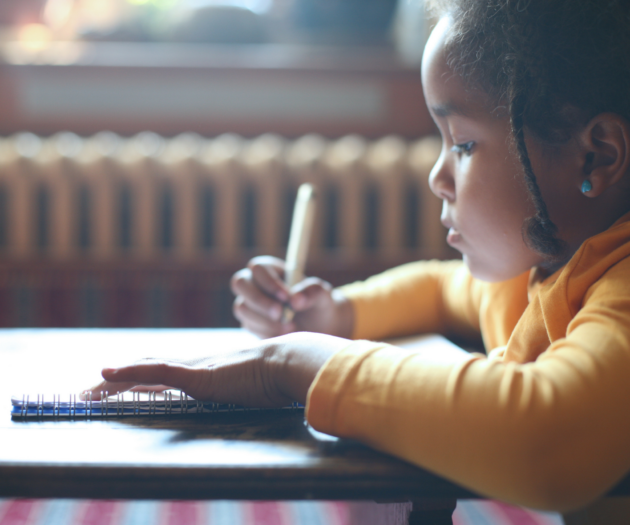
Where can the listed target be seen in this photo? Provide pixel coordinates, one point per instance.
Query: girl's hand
(261, 295)
(273, 373)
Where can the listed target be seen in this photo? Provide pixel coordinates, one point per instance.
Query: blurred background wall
(149, 148)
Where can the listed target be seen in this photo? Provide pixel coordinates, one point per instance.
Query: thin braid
(539, 232)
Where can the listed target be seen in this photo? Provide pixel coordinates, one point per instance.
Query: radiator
(109, 231)
(188, 198)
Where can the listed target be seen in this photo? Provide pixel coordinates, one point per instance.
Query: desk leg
(432, 512)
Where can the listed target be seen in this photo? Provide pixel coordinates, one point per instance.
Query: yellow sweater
(543, 421)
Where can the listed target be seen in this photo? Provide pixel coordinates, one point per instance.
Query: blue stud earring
(586, 186)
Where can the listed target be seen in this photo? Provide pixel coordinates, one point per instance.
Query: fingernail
(275, 312)
(298, 301)
(110, 371)
(282, 296)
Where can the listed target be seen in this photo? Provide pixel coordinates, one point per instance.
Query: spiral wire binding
(107, 406)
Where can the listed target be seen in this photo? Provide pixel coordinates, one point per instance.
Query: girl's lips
(453, 237)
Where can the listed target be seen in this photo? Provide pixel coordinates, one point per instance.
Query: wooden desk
(252, 455)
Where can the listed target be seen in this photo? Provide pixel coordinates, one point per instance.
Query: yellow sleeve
(551, 434)
(426, 296)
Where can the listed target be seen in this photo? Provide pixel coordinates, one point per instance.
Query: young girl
(532, 98)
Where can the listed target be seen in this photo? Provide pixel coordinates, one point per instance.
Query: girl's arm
(551, 434)
(420, 297)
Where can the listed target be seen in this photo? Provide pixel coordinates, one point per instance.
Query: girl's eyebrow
(448, 109)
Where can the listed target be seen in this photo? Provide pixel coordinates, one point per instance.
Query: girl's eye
(465, 148)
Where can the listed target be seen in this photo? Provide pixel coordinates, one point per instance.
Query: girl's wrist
(344, 315)
(297, 359)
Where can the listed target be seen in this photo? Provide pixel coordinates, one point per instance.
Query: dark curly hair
(553, 64)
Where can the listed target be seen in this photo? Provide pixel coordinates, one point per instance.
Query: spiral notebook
(171, 402)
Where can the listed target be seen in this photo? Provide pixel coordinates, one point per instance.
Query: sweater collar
(539, 278)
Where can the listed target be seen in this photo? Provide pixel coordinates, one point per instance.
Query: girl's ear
(605, 148)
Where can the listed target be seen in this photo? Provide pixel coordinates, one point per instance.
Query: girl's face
(478, 176)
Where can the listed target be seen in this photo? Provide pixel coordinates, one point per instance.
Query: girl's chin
(454, 238)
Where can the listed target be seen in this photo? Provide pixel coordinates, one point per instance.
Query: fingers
(247, 292)
(107, 388)
(266, 274)
(173, 375)
(309, 293)
(258, 323)
(260, 288)
(149, 375)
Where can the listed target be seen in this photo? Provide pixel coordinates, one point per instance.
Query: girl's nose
(441, 180)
